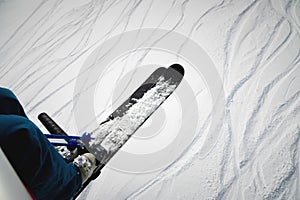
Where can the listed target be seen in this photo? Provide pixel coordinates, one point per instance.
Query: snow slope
(231, 131)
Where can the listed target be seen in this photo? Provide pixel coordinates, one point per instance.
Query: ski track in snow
(254, 152)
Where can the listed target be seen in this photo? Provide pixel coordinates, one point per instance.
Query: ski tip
(178, 68)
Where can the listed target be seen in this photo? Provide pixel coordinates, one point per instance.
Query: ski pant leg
(9, 104)
(38, 164)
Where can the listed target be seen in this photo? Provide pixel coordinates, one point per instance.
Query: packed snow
(57, 55)
(106, 140)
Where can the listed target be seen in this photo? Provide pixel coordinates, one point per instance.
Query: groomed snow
(241, 141)
(110, 136)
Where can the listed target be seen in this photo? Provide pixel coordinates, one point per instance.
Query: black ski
(171, 75)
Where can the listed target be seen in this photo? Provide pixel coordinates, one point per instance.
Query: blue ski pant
(40, 167)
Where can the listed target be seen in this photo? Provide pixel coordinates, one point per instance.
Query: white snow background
(78, 60)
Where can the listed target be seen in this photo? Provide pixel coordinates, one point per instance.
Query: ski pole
(70, 146)
(68, 137)
(50, 125)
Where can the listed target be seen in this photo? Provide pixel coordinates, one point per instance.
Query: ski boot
(86, 164)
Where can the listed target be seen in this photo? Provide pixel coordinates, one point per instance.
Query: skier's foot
(86, 164)
(66, 153)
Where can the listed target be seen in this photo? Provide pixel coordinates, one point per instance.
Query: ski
(115, 131)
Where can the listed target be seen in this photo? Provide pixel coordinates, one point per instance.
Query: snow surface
(110, 136)
(231, 131)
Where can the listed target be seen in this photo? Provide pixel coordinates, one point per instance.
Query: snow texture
(110, 136)
(58, 55)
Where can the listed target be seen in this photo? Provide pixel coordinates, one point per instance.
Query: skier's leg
(9, 104)
(36, 161)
